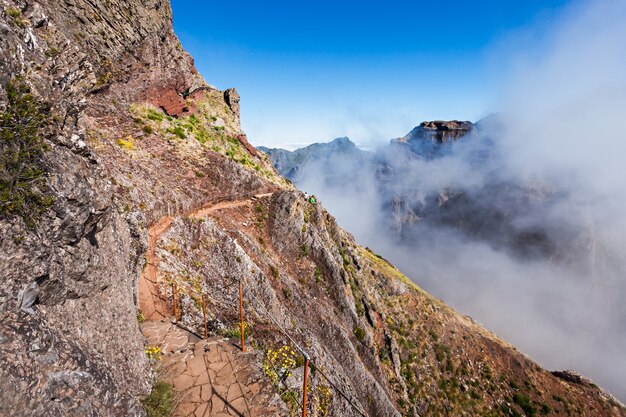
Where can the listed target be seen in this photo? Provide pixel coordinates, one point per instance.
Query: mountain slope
(133, 135)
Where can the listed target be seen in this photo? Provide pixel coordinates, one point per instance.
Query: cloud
(554, 164)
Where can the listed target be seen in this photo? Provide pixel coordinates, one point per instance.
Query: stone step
(212, 377)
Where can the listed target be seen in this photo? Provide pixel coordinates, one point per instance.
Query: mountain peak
(439, 131)
(344, 140)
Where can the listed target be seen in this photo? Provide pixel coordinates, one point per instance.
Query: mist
(554, 162)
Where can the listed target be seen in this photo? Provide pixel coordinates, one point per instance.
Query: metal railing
(308, 361)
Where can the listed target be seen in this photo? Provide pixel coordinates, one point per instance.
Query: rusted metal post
(206, 330)
(174, 300)
(306, 382)
(243, 346)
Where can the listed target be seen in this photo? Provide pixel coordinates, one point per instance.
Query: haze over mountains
(517, 253)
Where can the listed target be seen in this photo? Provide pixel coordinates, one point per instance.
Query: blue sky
(312, 71)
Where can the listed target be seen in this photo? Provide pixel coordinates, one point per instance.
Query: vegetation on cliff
(23, 188)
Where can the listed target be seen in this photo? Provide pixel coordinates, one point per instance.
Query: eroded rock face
(81, 352)
(430, 139)
(94, 62)
(439, 131)
(231, 96)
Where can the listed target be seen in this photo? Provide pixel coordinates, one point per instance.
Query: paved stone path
(212, 377)
(152, 302)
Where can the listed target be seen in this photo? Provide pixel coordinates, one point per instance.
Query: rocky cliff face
(133, 135)
(107, 71)
(426, 140)
(439, 131)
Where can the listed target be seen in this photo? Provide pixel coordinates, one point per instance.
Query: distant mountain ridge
(392, 167)
(425, 140)
(289, 163)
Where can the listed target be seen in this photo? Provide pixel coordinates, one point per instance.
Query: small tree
(23, 188)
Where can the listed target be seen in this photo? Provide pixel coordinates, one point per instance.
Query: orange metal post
(206, 331)
(243, 346)
(306, 382)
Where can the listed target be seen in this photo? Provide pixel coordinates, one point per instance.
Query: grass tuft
(160, 402)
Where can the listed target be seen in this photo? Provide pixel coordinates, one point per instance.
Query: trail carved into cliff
(153, 303)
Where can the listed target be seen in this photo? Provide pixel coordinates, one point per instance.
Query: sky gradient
(310, 72)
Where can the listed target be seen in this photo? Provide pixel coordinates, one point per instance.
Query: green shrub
(235, 331)
(318, 274)
(384, 355)
(160, 402)
(16, 17)
(278, 365)
(275, 272)
(13, 12)
(193, 119)
(23, 188)
(359, 332)
(178, 131)
(359, 307)
(154, 115)
(475, 395)
(286, 293)
(524, 402)
(201, 136)
(147, 129)
(441, 351)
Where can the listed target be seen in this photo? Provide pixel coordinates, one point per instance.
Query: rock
(170, 101)
(231, 96)
(27, 297)
(63, 384)
(97, 63)
(37, 16)
(570, 376)
(439, 131)
(296, 379)
(243, 139)
(290, 163)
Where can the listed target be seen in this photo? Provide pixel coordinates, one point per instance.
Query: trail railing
(308, 361)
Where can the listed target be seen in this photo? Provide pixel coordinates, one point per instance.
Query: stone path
(152, 302)
(212, 377)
